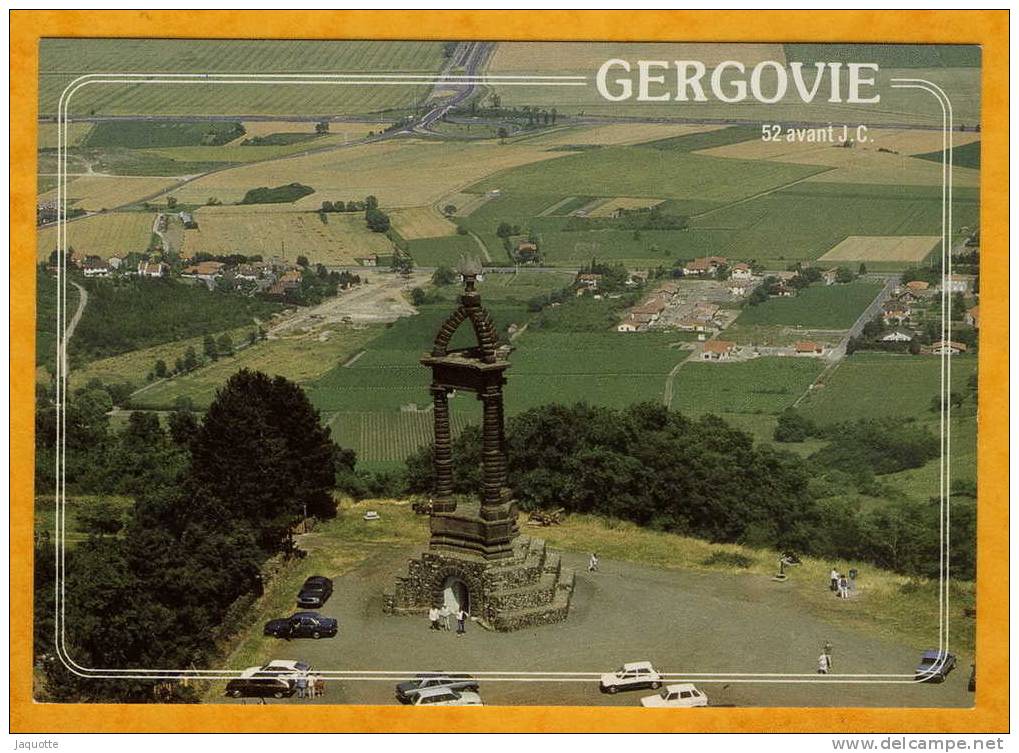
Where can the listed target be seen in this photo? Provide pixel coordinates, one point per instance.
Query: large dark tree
(262, 455)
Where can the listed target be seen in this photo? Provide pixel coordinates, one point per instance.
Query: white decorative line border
(509, 676)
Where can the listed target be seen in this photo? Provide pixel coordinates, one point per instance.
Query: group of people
(841, 584)
(439, 617)
(310, 686)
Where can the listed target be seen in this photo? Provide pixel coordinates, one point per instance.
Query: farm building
(955, 284)
(628, 326)
(369, 261)
(918, 286)
(204, 270)
(246, 272)
(973, 317)
(707, 265)
(944, 347)
(115, 262)
(93, 266)
(742, 271)
(587, 279)
(898, 336)
(830, 276)
(894, 311)
(808, 348)
(907, 297)
(781, 290)
(740, 288)
(152, 269)
(527, 252)
(718, 350)
(692, 325)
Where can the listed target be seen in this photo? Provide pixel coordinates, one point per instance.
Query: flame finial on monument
(469, 268)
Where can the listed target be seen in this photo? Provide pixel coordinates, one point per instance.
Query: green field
(693, 141)
(62, 60)
(875, 385)
(139, 134)
(447, 250)
(763, 385)
(967, 155)
(889, 55)
(46, 318)
(655, 173)
(44, 515)
(818, 306)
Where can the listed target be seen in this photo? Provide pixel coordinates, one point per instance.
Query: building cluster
(914, 302)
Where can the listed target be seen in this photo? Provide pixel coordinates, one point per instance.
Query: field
(97, 192)
(608, 208)
(46, 318)
(62, 60)
(44, 515)
(139, 134)
(301, 359)
(534, 57)
(910, 248)
(386, 439)
(447, 250)
(48, 134)
(616, 134)
(889, 55)
(807, 220)
(876, 385)
(421, 222)
(967, 155)
(401, 174)
(111, 234)
(644, 172)
(335, 238)
(763, 385)
(818, 307)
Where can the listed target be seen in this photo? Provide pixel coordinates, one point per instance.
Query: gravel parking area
(683, 622)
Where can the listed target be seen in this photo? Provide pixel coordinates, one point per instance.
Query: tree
(418, 296)
(225, 345)
(101, 518)
(844, 275)
(793, 427)
(443, 276)
(502, 133)
(190, 362)
(377, 220)
(505, 230)
(322, 126)
(302, 261)
(160, 369)
(209, 348)
(370, 202)
(449, 210)
(171, 202)
(327, 206)
(262, 455)
(862, 270)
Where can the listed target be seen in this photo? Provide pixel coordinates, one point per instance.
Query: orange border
(987, 28)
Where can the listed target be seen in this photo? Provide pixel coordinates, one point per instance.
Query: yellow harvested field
(400, 173)
(111, 234)
(253, 128)
(95, 192)
(618, 134)
(559, 57)
(863, 163)
(47, 133)
(882, 248)
(608, 208)
(341, 239)
(421, 222)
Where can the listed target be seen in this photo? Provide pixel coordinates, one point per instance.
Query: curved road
(72, 325)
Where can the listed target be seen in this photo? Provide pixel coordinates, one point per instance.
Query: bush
(728, 559)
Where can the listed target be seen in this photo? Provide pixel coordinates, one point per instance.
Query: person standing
(302, 686)
(843, 587)
(823, 664)
(592, 564)
(444, 614)
(461, 622)
(834, 579)
(433, 617)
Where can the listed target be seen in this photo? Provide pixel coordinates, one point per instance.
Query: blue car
(934, 666)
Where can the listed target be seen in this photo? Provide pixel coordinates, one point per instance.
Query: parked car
(683, 696)
(934, 666)
(447, 697)
(302, 625)
(407, 691)
(315, 592)
(630, 677)
(286, 667)
(253, 683)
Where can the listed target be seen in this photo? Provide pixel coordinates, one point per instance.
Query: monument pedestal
(530, 587)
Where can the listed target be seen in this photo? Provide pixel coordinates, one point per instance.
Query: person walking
(444, 614)
(823, 664)
(592, 564)
(843, 587)
(834, 579)
(461, 622)
(433, 617)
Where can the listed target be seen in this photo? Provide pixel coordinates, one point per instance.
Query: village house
(907, 297)
(204, 270)
(718, 350)
(894, 312)
(527, 252)
(589, 280)
(808, 348)
(246, 272)
(707, 265)
(781, 290)
(742, 271)
(115, 262)
(918, 286)
(955, 284)
(627, 326)
(739, 289)
(152, 269)
(973, 317)
(944, 347)
(692, 325)
(830, 276)
(368, 261)
(93, 266)
(636, 278)
(898, 336)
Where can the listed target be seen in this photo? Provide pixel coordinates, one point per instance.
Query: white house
(93, 266)
(718, 350)
(741, 271)
(898, 336)
(956, 284)
(151, 269)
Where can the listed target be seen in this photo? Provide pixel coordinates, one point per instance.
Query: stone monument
(476, 557)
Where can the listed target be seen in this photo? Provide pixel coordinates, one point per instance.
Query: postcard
(640, 379)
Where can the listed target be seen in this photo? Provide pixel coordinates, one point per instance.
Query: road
(72, 325)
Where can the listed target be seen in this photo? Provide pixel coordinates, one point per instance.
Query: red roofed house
(808, 348)
(718, 350)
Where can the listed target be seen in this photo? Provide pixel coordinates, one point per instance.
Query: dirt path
(72, 325)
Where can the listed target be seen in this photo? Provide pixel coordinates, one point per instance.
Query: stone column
(442, 454)
(493, 455)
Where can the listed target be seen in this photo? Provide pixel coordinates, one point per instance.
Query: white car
(372, 515)
(287, 668)
(683, 696)
(447, 697)
(631, 676)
